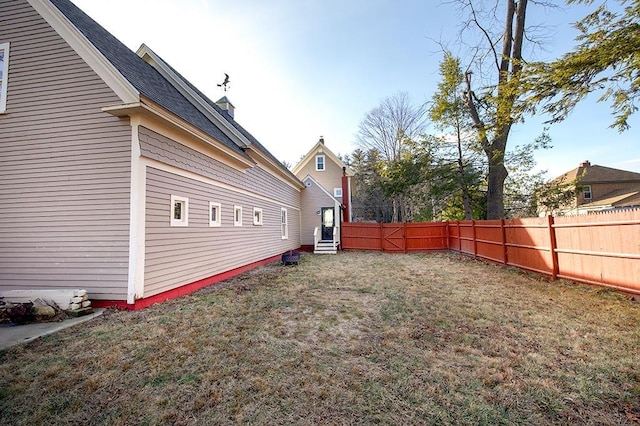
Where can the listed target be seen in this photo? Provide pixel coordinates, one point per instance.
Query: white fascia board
(152, 110)
(316, 183)
(325, 151)
(203, 106)
(277, 168)
(86, 50)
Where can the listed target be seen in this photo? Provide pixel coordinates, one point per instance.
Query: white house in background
(326, 201)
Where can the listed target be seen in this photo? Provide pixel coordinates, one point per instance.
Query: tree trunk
(509, 69)
(495, 189)
(468, 215)
(394, 203)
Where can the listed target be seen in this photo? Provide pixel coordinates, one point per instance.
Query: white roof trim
(179, 123)
(86, 50)
(325, 151)
(330, 195)
(277, 168)
(203, 106)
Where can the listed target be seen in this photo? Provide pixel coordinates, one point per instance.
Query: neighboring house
(599, 188)
(120, 177)
(326, 202)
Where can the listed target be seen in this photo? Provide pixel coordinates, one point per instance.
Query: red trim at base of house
(307, 248)
(182, 290)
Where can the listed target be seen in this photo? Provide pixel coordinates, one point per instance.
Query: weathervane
(225, 83)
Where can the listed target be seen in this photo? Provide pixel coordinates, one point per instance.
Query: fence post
(473, 235)
(554, 245)
(404, 236)
(505, 260)
(381, 236)
(447, 235)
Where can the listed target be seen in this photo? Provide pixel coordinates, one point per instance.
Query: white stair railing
(315, 238)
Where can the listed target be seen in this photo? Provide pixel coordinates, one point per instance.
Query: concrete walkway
(11, 335)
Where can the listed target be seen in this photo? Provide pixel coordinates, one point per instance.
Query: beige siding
(64, 167)
(161, 148)
(180, 255)
(313, 199)
(600, 191)
(330, 178)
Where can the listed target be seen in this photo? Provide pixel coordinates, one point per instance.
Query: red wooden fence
(602, 249)
(395, 237)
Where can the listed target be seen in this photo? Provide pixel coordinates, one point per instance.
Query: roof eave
(86, 50)
(151, 109)
(276, 167)
(326, 151)
(158, 63)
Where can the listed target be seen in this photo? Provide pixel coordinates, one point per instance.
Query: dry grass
(357, 338)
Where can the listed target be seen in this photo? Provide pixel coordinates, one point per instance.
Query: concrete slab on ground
(11, 335)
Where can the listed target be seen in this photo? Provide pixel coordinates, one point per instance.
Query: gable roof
(157, 81)
(142, 76)
(598, 174)
(322, 188)
(239, 134)
(326, 152)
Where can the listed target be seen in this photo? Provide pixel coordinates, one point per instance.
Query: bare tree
(391, 129)
(494, 111)
(388, 126)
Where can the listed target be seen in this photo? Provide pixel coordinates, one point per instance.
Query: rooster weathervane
(225, 83)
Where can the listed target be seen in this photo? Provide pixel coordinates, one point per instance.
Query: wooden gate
(393, 239)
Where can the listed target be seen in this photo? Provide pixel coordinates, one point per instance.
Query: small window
(337, 192)
(214, 214)
(586, 192)
(237, 216)
(179, 211)
(4, 74)
(284, 225)
(257, 216)
(319, 163)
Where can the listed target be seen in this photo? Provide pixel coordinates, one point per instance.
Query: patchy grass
(355, 338)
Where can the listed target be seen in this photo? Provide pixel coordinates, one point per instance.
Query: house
(326, 201)
(120, 177)
(600, 188)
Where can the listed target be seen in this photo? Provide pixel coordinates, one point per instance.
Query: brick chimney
(225, 104)
(585, 163)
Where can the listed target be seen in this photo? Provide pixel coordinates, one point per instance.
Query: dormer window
(319, 163)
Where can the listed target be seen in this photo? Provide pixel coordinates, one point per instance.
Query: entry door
(328, 222)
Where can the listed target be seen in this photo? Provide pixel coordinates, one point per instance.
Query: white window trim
(4, 47)
(324, 163)
(257, 219)
(218, 221)
(587, 189)
(237, 214)
(337, 192)
(184, 221)
(284, 223)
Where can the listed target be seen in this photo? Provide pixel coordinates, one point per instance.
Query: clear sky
(300, 69)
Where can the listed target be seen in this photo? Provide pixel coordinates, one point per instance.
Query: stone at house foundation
(79, 304)
(41, 308)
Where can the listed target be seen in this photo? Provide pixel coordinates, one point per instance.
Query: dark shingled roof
(141, 75)
(229, 119)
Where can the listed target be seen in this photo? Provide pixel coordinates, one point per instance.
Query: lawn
(357, 338)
